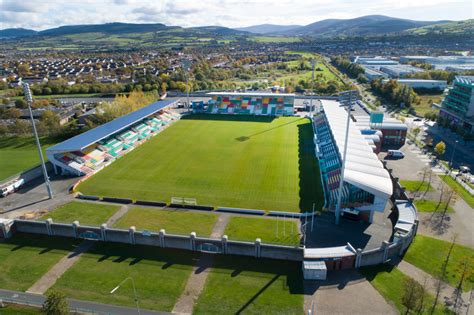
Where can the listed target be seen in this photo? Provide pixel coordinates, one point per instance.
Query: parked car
(464, 169)
(395, 154)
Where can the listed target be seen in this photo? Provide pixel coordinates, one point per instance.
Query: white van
(396, 154)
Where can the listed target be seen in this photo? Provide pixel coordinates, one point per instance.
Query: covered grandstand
(367, 185)
(92, 150)
(270, 104)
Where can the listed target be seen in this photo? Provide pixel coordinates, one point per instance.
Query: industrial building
(378, 67)
(423, 84)
(450, 63)
(458, 105)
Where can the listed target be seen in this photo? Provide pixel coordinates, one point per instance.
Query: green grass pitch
(221, 160)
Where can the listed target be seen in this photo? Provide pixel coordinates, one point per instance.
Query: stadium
(239, 150)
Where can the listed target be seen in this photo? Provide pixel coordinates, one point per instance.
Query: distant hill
(218, 30)
(268, 28)
(361, 26)
(108, 28)
(16, 32)
(458, 27)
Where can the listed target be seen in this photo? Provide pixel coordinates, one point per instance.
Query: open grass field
(426, 102)
(235, 161)
(238, 285)
(87, 213)
(160, 276)
(25, 258)
(429, 254)
(390, 282)
(19, 154)
(272, 231)
(466, 196)
(431, 206)
(173, 221)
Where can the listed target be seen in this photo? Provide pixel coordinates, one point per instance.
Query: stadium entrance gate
(209, 248)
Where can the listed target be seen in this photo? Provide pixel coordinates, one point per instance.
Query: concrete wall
(184, 242)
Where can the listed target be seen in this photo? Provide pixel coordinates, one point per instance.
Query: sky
(44, 14)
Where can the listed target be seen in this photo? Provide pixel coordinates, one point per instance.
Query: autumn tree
(440, 148)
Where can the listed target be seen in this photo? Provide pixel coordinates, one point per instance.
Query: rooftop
(465, 79)
(362, 168)
(89, 137)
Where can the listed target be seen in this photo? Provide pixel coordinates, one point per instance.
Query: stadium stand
(367, 185)
(271, 104)
(92, 150)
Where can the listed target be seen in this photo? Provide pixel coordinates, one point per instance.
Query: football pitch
(221, 160)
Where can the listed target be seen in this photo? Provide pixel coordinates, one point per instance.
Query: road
(31, 299)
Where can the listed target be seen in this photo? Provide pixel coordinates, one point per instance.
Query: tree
(21, 103)
(55, 304)
(49, 122)
(440, 148)
(413, 295)
(416, 132)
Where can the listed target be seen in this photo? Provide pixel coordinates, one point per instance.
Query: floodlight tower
(346, 100)
(313, 65)
(29, 101)
(186, 66)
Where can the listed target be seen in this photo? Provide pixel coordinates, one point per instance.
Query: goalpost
(184, 201)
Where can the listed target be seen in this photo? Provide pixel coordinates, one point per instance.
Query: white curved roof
(362, 168)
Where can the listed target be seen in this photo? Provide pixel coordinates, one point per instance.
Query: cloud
(122, 2)
(174, 9)
(18, 6)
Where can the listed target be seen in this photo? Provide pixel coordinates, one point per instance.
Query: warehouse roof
(87, 138)
(362, 168)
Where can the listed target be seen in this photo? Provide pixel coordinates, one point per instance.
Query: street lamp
(343, 97)
(134, 291)
(29, 101)
(452, 155)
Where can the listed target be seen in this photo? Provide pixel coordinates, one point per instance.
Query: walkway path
(50, 278)
(198, 277)
(431, 283)
(345, 292)
(76, 306)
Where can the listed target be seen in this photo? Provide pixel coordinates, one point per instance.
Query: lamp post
(134, 291)
(452, 156)
(186, 65)
(313, 64)
(29, 101)
(343, 96)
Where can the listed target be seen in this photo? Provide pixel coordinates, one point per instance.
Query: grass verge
(238, 285)
(429, 254)
(415, 185)
(87, 213)
(466, 196)
(390, 283)
(431, 206)
(25, 258)
(160, 276)
(272, 231)
(173, 221)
